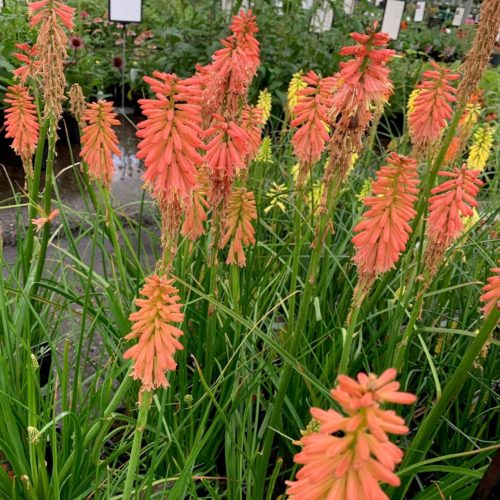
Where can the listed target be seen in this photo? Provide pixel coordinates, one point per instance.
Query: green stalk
(47, 203)
(294, 341)
(402, 346)
(33, 196)
(430, 425)
(236, 295)
(346, 348)
(142, 420)
(295, 262)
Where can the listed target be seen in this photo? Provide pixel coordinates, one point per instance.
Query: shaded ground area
(126, 184)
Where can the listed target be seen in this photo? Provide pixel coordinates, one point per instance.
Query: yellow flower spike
(278, 197)
(316, 194)
(481, 147)
(470, 222)
(265, 154)
(410, 107)
(354, 158)
(265, 103)
(365, 190)
(297, 83)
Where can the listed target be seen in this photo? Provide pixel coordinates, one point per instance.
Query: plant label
(458, 17)
(419, 12)
(125, 11)
(393, 15)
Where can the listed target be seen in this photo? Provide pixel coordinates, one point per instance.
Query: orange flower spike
(491, 296)
(452, 200)
(365, 78)
(196, 213)
(171, 137)
(40, 11)
(27, 55)
(227, 149)
(21, 121)
(230, 73)
(153, 355)
(384, 229)
(99, 141)
(311, 110)
(432, 107)
(352, 466)
(251, 123)
(238, 227)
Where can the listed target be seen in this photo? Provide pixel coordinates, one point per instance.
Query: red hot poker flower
(351, 466)
(251, 123)
(452, 200)
(153, 355)
(227, 150)
(171, 137)
(28, 56)
(491, 296)
(21, 120)
(238, 225)
(40, 11)
(311, 110)
(99, 141)
(365, 78)
(384, 229)
(432, 106)
(233, 67)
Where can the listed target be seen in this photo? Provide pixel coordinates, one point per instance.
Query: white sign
(392, 18)
(322, 18)
(349, 6)
(125, 11)
(419, 11)
(1, 4)
(458, 17)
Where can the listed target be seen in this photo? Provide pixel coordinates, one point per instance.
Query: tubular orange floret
(432, 107)
(28, 56)
(99, 141)
(227, 149)
(51, 43)
(384, 229)
(313, 103)
(491, 296)
(352, 466)
(238, 225)
(229, 74)
(153, 355)
(251, 123)
(453, 201)
(21, 121)
(171, 137)
(196, 213)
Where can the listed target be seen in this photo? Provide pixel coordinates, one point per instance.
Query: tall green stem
(33, 196)
(346, 349)
(430, 425)
(47, 203)
(142, 420)
(294, 340)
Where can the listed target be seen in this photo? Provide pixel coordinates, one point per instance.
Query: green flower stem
(430, 425)
(346, 349)
(294, 339)
(47, 203)
(34, 186)
(142, 420)
(236, 296)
